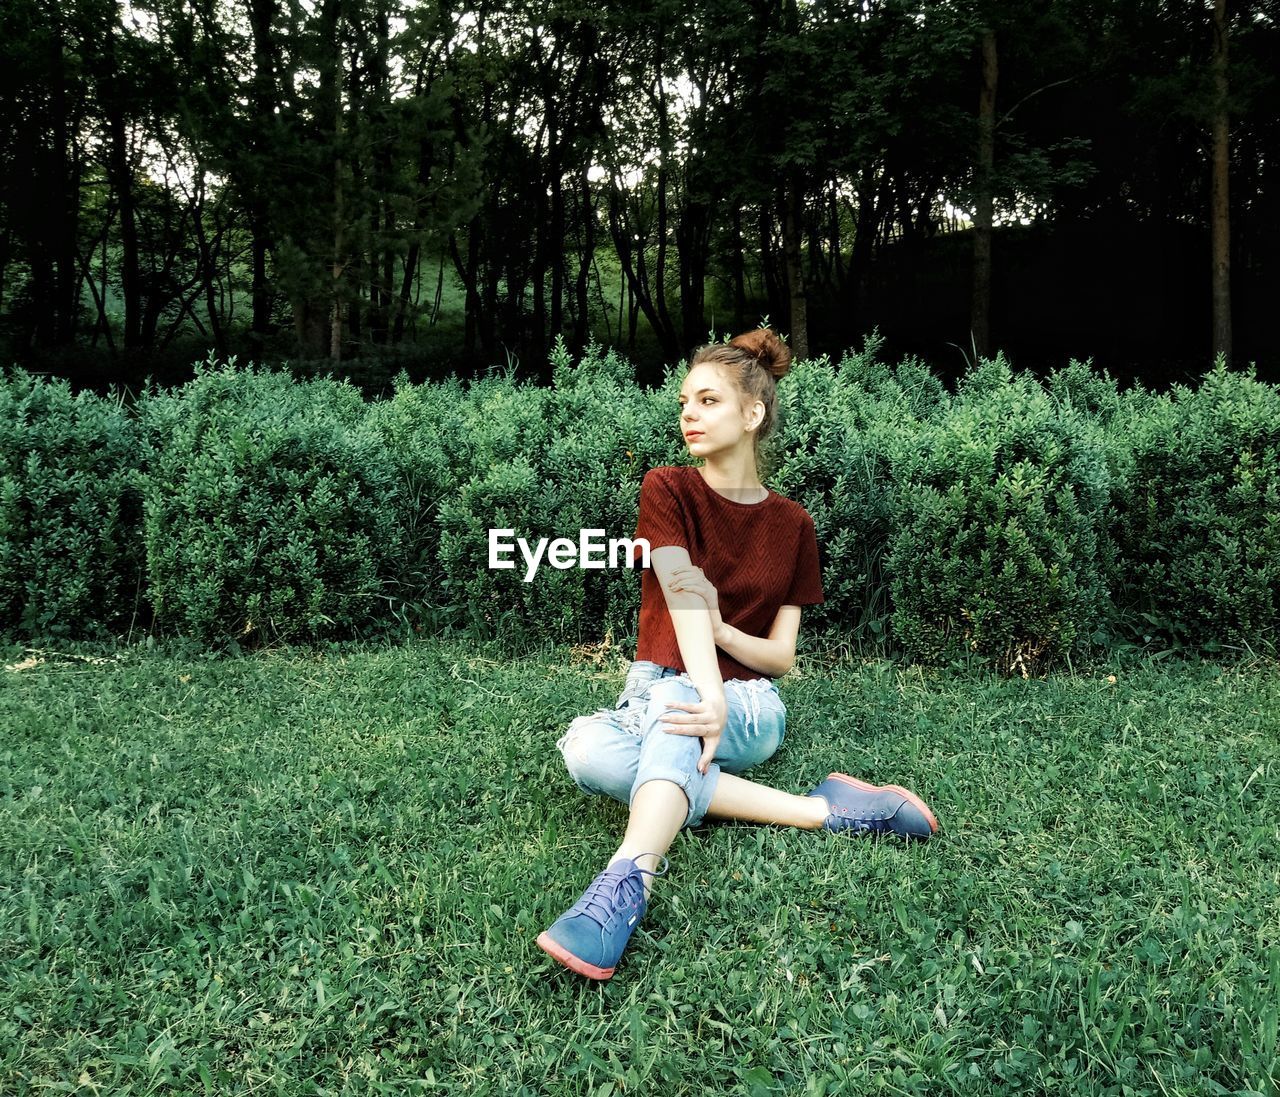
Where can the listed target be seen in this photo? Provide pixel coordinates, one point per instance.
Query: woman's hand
(705, 719)
(692, 579)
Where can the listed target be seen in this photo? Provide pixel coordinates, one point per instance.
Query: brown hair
(755, 361)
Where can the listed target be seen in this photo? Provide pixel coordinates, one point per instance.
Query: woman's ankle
(817, 813)
(647, 861)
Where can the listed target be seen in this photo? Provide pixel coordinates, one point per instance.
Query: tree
(46, 90)
(1220, 215)
(984, 196)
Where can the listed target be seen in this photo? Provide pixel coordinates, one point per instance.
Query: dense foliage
(71, 558)
(999, 508)
(268, 508)
(1199, 527)
(1013, 523)
(377, 176)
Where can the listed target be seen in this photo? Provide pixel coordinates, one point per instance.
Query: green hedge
(999, 508)
(268, 508)
(71, 562)
(837, 430)
(549, 462)
(1198, 531)
(418, 429)
(1014, 524)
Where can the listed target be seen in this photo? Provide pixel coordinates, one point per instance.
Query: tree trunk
(555, 241)
(339, 211)
(980, 317)
(66, 211)
(121, 174)
(259, 325)
(633, 319)
(768, 263)
(792, 246)
(406, 285)
(412, 273)
(631, 249)
(261, 13)
(339, 245)
(130, 275)
(836, 264)
(102, 324)
(412, 260)
(361, 235)
(863, 247)
(737, 263)
(582, 327)
(538, 277)
(208, 263)
(1220, 215)
(467, 273)
(693, 234)
(5, 240)
(543, 247)
(670, 340)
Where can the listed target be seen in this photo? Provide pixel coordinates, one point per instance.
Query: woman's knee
(755, 727)
(575, 743)
(593, 756)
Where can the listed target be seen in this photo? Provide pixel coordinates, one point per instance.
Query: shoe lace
(860, 823)
(600, 899)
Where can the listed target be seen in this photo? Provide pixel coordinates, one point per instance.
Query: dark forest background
(368, 185)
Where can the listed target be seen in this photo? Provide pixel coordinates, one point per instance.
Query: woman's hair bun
(766, 348)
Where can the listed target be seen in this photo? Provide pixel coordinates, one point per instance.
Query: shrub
(268, 510)
(70, 553)
(606, 434)
(1198, 526)
(1077, 388)
(837, 431)
(911, 386)
(416, 429)
(546, 463)
(997, 510)
(994, 524)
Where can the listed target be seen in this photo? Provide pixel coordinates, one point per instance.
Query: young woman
(731, 563)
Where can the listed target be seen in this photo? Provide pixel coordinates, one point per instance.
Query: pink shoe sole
(570, 961)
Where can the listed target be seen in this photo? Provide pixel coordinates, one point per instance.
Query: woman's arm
(691, 619)
(773, 655)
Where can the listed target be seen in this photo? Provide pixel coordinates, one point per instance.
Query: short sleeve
(662, 516)
(806, 582)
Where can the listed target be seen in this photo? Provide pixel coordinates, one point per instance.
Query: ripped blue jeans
(613, 752)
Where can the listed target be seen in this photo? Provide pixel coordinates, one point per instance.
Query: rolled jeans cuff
(699, 789)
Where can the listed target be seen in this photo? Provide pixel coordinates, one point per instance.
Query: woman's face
(712, 418)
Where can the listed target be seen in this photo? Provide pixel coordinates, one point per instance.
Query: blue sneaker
(859, 807)
(589, 937)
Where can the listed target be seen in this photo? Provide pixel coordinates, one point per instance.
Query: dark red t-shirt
(759, 557)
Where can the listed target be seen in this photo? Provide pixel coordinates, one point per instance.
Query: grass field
(323, 872)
